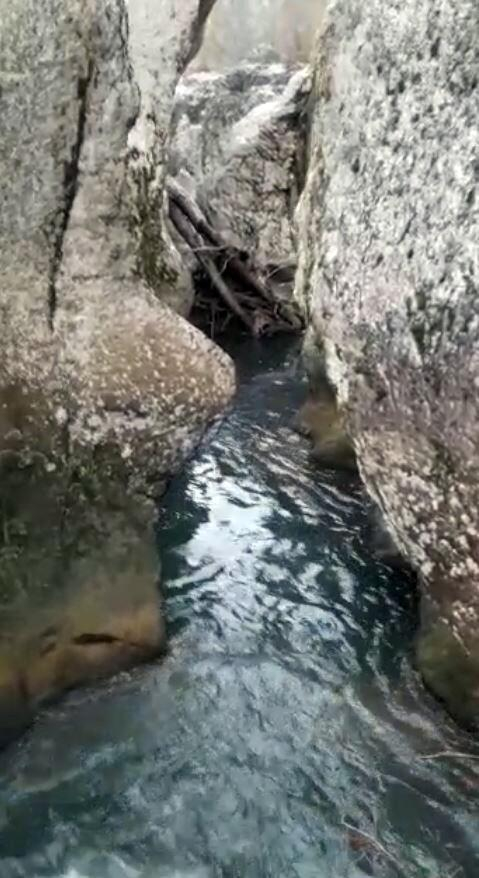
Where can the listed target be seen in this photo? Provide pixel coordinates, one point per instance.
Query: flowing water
(286, 733)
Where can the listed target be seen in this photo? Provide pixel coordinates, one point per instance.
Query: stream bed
(286, 733)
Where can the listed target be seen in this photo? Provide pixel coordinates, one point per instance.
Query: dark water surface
(287, 712)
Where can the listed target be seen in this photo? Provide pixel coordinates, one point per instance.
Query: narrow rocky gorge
(356, 173)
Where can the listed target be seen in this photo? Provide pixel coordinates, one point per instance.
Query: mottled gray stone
(208, 104)
(240, 138)
(389, 277)
(104, 390)
(76, 289)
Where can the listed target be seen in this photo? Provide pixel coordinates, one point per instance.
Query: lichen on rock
(82, 330)
(388, 280)
(104, 390)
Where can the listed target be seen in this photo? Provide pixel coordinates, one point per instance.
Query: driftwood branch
(181, 198)
(207, 263)
(258, 309)
(375, 844)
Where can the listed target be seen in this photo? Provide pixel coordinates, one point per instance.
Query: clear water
(287, 712)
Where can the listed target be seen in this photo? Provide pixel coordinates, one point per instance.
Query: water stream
(286, 733)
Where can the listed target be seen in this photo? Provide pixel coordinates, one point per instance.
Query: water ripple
(287, 733)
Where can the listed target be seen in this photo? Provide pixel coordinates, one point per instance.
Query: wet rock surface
(389, 278)
(79, 594)
(285, 733)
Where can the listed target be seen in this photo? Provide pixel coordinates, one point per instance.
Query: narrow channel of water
(286, 734)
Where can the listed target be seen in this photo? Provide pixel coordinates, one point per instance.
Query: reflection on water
(285, 734)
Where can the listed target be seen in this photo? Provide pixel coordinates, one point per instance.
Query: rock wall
(239, 138)
(389, 280)
(103, 389)
(85, 344)
(163, 37)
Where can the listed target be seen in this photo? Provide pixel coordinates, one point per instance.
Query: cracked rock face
(389, 278)
(238, 143)
(104, 390)
(77, 298)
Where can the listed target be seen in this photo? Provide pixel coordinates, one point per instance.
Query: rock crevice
(70, 186)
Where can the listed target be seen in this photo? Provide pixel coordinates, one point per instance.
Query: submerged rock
(389, 280)
(238, 143)
(104, 391)
(321, 420)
